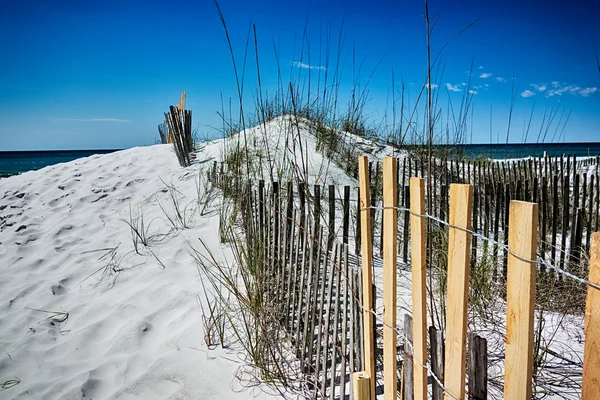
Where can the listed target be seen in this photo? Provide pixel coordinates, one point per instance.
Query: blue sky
(101, 74)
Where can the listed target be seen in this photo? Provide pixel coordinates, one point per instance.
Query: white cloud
(92, 120)
(464, 84)
(307, 66)
(481, 67)
(433, 86)
(559, 89)
(453, 88)
(485, 75)
(527, 93)
(500, 79)
(540, 88)
(587, 91)
(473, 91)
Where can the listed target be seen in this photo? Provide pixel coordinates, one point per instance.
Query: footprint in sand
(60, 288)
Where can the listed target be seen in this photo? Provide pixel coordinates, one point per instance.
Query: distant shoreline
(17, 162)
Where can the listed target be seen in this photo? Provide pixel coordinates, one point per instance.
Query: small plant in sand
(140, 231)
(205, 193)
(54, 318)
(181, 217)
(10, 383)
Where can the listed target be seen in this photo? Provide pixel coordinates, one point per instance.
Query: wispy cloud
(473, 91)
(527, 93)
(500, 79)
(433, 86)
(299, 64)
(557, 88)
(485, 75)
(587, 91)
(92, 120)
(453, 88)
(540, 88)
(481, 67)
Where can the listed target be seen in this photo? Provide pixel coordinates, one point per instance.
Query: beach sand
(134, 327)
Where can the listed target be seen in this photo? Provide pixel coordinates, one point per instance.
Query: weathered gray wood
(325, 267)
(346, 215)
(565, 222)
(345, 336)
(332, 256)
(408, 376)
(437, 362)
(303, 298)
(311, 312)
(331, 225)
(477, 368)
(337, 266)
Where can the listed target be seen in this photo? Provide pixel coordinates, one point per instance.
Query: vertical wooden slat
(367, 270)
(520, 299)
(591, 355)
(437, 362)
(346, 215)
(390, 216)
(459, 240)
(418, 255)
(477, 368)
(361, 386)
(336, 319)
(345, 313)
(407, 376)
(331, 225)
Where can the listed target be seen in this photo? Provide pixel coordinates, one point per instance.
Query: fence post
(418, 256)
(459, 250)
(367, 270)
(520, 299)
(591, 354)
(478, 377)
(390, 251)
(361, 384)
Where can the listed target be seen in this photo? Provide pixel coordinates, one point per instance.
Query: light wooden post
(367, 269)
(459, 252)
(520, 299)
(418, 257)
(591, 354)
(390, 250)
(361, 386)
(182, 99)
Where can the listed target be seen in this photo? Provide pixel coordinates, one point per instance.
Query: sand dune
(82, 315)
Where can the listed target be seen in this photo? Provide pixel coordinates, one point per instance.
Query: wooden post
(407, 376)
(478, 377)
(418, 255)
(459, 241)
(361, 385)
(437, 362)
(367, 270)
(520, 300)
(390, 251)
(591, 354)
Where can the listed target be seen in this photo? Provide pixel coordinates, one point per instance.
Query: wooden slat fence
(322, 291)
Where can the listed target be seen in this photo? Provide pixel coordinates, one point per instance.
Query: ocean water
(514, 150)
(17, 162)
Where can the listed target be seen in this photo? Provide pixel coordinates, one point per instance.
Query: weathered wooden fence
(180, 132)
(523, 266)
(566, 189)
(325, 294)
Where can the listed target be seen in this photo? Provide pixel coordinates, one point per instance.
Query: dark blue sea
(519, 150)
(16, 162)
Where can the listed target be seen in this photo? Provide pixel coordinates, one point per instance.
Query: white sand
(132, 334)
